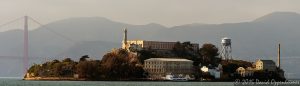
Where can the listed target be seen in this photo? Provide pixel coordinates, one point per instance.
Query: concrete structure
(158, 68)
(266, 65)
(248, 72)
(156, 45)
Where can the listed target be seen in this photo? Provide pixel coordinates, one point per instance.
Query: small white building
(245, 72)
(266, 65)
(214, 72)
(204, 69)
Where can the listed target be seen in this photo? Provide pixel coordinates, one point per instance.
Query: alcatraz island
(142, 60)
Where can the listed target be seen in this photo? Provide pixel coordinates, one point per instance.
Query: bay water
(20, 82)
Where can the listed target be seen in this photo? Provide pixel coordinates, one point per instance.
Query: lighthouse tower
(124, 42)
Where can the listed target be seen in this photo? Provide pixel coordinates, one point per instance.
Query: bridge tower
(26, 56)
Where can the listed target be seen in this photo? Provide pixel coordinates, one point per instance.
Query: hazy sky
(165, 12)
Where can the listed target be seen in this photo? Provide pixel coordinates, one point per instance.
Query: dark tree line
(207, 54)
(120, 64)
(116, 65)
(53, 68)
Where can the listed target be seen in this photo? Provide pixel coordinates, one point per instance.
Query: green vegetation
(185, 50)
(89, 69)
(116, 65)
(267, 75)
(54, 68)
(209, 54)
(231, 65)
(119, 64)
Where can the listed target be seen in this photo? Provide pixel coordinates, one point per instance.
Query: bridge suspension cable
(50, 30)
(26, 18)
(10, 22)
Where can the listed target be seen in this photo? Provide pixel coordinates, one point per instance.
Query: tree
(82, 68)
(145, 54)
(55, 61)
(35, 68)
(68, 68)
(57, 69)
(209, 53)
(83, 58)
(89, 69)
(120, 64)
(185, 50)
(67, 60)
(179, 49)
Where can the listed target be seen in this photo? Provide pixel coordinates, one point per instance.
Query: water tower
(226, 49)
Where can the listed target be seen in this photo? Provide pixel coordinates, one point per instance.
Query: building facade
(245, 72)
(158, 68)
(156, 45)
(266, 65)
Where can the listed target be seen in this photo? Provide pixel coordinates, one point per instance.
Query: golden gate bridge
(26, 38)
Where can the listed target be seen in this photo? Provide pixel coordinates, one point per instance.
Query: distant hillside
(95, 35)
(258, 38)
(46, 43)
(93, 48)
(279, 17)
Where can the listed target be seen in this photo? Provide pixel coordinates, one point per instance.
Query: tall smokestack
(278, 59)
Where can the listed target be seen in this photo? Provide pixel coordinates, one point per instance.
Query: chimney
(278, 58)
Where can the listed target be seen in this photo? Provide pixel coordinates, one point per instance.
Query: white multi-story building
(156, 45)
(158, 68)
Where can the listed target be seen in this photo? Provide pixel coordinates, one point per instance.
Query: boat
(176, 78)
